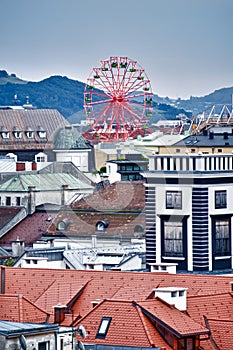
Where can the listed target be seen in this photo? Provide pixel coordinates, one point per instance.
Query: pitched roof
(128, 325)
(32, 119)
(178, 322)
(209, 297)
(120, 204)
(18, 308)
(42, 182)
(29, 229)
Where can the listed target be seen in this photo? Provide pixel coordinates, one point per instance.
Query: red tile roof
(17, 308)
(208, 296)
(7, 214)
(179, 322)
(128, 326)
(222, 333)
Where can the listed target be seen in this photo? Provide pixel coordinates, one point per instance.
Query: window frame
(220, 199)
(223, 242)
(101, 333)
(174, 203)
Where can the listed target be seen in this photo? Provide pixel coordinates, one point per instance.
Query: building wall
(196, 233)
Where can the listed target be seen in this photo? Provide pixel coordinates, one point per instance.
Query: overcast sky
(185, 46)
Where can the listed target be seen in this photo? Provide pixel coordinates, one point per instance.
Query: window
(29, 134)
(192, 150)
(40, 159)
(220, 199)
(186, 344)
(222, 237)
(173, 200)
(173, 238)
(177, 150)
(101, 226)
(8, 200)
(45, 345)
(17, 200)
(103, 328)
(219, 150)
(5, 134)
(17, 134)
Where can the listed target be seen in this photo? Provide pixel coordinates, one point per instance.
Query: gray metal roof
(10, 329)
(42, 182)
(206, 141)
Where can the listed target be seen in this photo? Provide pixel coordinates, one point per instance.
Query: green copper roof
(42, 182)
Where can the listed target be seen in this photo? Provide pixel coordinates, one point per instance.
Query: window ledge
(222, 257)
(172, 258)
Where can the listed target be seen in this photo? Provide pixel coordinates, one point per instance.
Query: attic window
(103, 328)
(41, 132)
(29, 134)
(101, 226)
(62, 225)
(17, 134)
(5, 133)
(138, 230)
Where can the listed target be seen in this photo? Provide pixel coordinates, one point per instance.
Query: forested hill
(66, 95)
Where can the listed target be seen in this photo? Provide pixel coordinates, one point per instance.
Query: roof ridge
(141, 316)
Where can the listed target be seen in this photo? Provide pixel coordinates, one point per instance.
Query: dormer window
(41, 132)
(101, 226)
(5, 133)
(29, 133)
(63, 225)
(17, 133)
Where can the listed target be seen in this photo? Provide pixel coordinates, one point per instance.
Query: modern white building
(189, 211)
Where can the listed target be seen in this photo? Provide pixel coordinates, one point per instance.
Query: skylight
(103, 328)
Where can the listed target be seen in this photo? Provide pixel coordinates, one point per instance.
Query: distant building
(189, 211)
(40, 136)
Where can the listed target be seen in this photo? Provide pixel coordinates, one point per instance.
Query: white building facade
(189, 211)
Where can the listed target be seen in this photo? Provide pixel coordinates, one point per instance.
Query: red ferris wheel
(117, 101)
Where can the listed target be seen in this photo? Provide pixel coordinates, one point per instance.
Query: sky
(185, 46)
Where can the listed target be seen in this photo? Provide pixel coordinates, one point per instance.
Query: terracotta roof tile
(222, 332)
(182, 324)
(128, 325)
(17, 308)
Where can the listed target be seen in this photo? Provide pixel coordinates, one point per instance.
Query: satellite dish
(82, 331)
(23, 342)
(79, 346)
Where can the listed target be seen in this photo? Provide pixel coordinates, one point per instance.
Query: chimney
(17, 248)
(31, 199)
(59, 313)
(176, 296)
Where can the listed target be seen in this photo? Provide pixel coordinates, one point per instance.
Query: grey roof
(205, 140)
(15, 328)
(42, 182)
(34, 119)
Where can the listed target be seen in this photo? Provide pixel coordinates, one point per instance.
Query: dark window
(220, 199)
(45, 345)
(8, 200)
(173, 238)
(18, 201)
(173, 200)
(186, 344)
(222, 237)
(103, 328)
